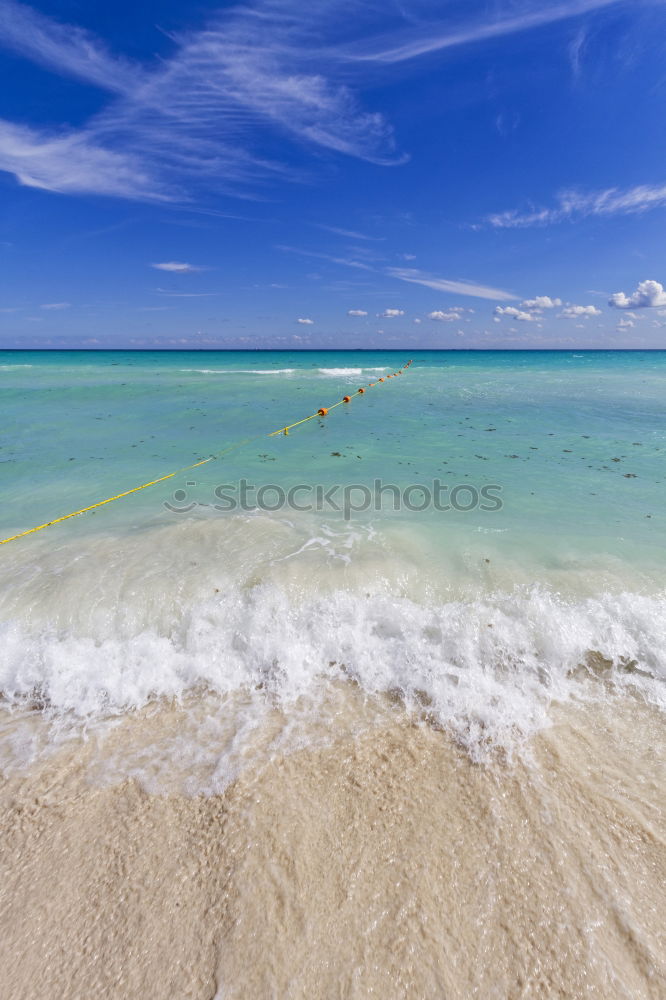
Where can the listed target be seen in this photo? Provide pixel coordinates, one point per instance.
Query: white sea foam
(7, 368)
(262, 613)
(349, 371)
(280, 371)
(240, 371)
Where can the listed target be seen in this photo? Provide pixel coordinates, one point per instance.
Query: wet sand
(388, 865)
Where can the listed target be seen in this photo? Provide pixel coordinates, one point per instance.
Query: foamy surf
(240, 371)
(344, 372)
(267, 617)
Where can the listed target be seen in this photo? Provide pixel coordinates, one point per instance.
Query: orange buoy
(361, 390)
(381, 380)
(346, 399)
(322, 412)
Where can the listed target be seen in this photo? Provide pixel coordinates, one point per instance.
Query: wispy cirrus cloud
(438, 34)
(66, 48)
(195, 118)
(573, 205)
(412, 276)
(72, 162)
(203, 116)
(455, 286)
(344, 261)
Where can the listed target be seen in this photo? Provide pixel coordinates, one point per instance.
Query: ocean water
(539, 580)
(343, 740)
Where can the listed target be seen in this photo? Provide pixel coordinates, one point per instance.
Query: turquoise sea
(488, 613)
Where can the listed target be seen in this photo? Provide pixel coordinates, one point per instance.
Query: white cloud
(391, 313)
(455, 287)
(401, 47)
(306, 322)
(76, 163)
(417, 320)
(577, 48)
(541, 302)
(56, 305)
(176, 266)
(444, 317)
(625, 324)
(356, 312)
(513, 313)
(572, 205)
(192, 117)
(577, 312)
(64, 47)
(648, 294)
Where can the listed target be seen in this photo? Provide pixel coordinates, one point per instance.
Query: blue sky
(357, 173)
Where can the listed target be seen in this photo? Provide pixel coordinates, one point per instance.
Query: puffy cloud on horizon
(445, 317)
(513, 313)
(391, 313)
(356, 312)
(647, 295)
(305, 321)
(176, 267)
(541, 302)
(577, 312)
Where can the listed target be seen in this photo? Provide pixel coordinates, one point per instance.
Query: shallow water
(498, 671)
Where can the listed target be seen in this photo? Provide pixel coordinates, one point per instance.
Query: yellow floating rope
(195, 465)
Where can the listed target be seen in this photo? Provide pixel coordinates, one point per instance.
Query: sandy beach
(388, 865)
